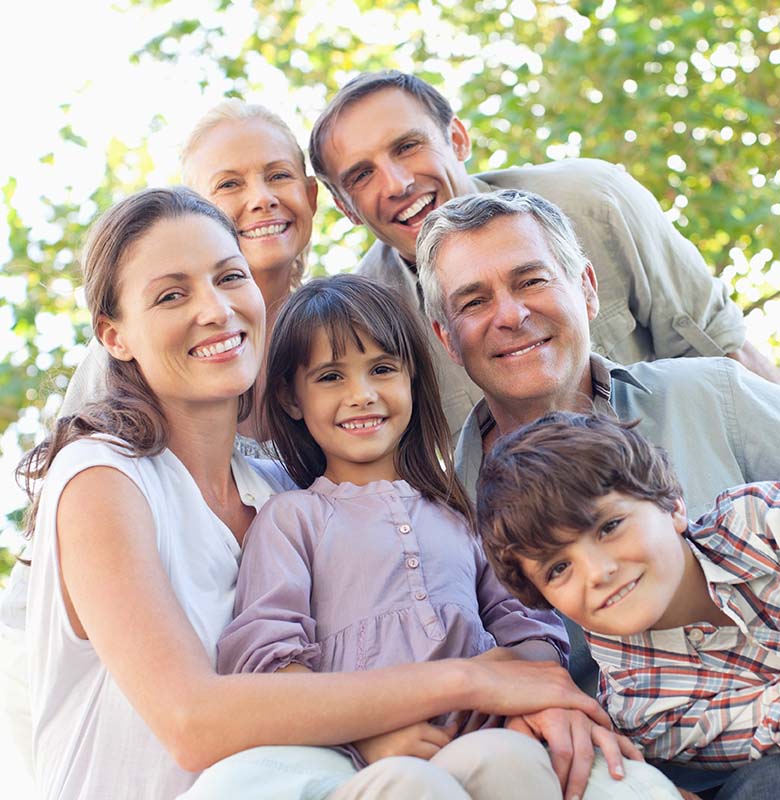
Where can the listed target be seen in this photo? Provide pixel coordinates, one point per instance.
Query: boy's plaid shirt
(700, 693)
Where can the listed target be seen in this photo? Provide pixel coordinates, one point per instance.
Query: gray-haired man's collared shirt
(719, 423)
(658, 299)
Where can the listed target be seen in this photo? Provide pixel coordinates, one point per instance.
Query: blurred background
(96, 97)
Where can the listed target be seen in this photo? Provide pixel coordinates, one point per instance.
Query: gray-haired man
(510, 294)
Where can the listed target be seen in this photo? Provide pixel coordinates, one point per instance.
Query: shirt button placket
(425, 611)
(415, 574)
(696, 637)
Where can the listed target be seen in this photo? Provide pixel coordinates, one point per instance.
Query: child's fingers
(581, 758)
(435, 734)
(423, 749)
(611, 746)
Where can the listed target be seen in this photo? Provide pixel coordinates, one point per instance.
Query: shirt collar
(603, 372)
(481, 186)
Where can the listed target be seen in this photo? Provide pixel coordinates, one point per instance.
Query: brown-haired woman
(244, 159)
(137, 529)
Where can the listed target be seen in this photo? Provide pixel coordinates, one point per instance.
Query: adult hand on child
(422, 740)
(516, 687)
(571, 737)
(469, 721)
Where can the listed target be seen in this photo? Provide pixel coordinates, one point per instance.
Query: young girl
(375, 563)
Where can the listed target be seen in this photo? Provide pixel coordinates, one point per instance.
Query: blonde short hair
(235, 110)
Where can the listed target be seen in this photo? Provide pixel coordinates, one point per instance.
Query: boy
(582, 513)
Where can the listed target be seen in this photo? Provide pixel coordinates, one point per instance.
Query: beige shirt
(658, 298)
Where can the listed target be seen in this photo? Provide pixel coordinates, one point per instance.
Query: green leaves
(685, 95)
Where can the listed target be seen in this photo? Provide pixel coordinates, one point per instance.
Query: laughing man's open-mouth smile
(409, 214)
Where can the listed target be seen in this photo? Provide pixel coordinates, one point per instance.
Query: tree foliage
(685, 95)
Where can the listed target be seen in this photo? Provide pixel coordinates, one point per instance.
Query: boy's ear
(288, 402)
(680, 516)
(112, 339)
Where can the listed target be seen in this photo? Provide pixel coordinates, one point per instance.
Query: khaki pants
(491, 764)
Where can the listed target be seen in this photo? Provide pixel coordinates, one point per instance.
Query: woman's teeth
(219, 347)
(266, 230)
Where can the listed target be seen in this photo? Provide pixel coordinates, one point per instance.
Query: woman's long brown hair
(129, 411)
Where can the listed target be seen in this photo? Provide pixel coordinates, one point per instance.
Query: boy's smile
(631, 572)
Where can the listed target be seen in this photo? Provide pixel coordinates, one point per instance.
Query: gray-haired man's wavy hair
(469, 213)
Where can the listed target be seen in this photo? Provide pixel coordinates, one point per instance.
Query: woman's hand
(515, 687)
(422, 740)
(571, 737)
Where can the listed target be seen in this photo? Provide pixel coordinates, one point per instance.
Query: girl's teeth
(266, 230)
(219, 347)
(369, 423)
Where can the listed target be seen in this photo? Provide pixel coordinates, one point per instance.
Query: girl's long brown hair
(129, 411)
(350, 307)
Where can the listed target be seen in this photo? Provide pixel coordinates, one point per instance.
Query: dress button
(696, 637)
(412, 562)
(249, 498)
(420, 595)
(404, 528)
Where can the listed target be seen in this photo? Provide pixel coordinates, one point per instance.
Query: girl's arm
(119, 597)
(533, 634)
(273, 625)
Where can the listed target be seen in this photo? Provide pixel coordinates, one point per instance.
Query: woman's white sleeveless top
(89, 743)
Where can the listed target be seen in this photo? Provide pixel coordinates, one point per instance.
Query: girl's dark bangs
(346, 322)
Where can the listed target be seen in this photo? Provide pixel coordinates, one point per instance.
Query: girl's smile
(356, 406)
(362, 426)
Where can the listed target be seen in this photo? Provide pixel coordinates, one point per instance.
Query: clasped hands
(570, 735)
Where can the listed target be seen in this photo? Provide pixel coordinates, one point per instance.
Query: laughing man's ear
(461, 142)
(444, 336)
(111, 337)
(590, 288)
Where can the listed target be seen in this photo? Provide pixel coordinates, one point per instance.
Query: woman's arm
(119, 597)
